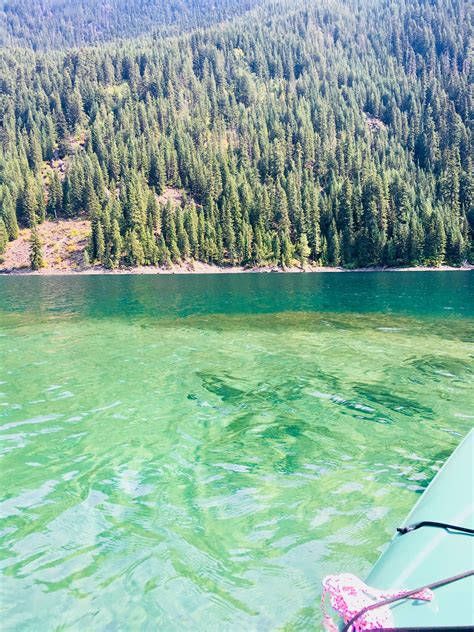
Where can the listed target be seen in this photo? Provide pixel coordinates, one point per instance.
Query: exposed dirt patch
(176, 196)
(374, 123)
(63, 247)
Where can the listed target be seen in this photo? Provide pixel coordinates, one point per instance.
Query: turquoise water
(197, 452)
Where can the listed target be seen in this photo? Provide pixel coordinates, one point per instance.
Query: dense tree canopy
(335, 132)
(43, 24)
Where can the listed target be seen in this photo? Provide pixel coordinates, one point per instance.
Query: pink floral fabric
(348, 595)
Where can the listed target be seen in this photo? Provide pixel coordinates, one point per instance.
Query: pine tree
(280, 213)
(29, 203)
(347, 222)
(276, 249)
(3, 237)
(153, 213)
(303, 250)
(157, 175)
(228, 233)
(416, 240)
(246, 243)
(113, 165)
(134, 254)
(36, 249)
(435, 242)
(40, 204)
(184, 247)
(35, 154)
(115, 247)
(455, 247)
(286, 257)
(55, 197)
(97, 245)
(8, 215)
(333, 246)
(191, 224)
(97, 240)
(164, 257)
(73, 109)
(134, 205)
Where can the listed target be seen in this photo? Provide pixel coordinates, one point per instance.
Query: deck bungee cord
(433, 523)
(439, 544)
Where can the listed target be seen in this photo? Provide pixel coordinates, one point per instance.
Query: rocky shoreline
(204, 268)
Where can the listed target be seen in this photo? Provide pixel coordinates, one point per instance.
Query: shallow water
(196, 452)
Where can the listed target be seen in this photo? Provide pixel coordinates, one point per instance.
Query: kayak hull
(429, 554)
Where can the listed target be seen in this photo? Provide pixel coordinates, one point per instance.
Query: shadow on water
(450, 293)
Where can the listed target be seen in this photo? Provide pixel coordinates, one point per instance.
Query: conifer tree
(435, 242)
(157, 176)
(304, 250)
(333, 246)
(276, 249)
(8, 215)
(416, 240)
(55, 196)
(286, 256)
(3, 237)
(347, 222)
(135, 255)
(29, 203)
(36, 249)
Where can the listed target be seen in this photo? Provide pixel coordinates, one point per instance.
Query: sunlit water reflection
(196, 453)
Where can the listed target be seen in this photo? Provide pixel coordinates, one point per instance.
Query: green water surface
(197, 452)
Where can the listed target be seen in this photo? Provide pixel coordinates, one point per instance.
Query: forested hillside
(42, 24)
(335, 132)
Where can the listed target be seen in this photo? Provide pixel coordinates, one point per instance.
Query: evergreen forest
(336, 132)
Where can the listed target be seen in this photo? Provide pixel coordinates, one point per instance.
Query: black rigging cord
(432, 523)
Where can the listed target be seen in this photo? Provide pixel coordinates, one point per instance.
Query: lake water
(197, 452)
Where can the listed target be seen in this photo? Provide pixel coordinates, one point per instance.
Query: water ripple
(204, 468)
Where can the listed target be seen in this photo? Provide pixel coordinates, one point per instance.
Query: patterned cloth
(348, 595)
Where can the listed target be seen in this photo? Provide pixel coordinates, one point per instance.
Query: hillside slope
(44, 24)
(337, 133)
(63, 242)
